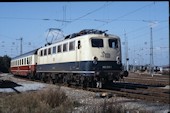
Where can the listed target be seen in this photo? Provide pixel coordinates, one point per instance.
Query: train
(88, 58)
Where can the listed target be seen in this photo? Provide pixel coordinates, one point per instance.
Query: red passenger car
(25, 64)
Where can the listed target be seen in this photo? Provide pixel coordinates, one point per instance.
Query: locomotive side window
(65, 47)
(97, 42)
(41, 53)
(59, 48)
(54, 49)
(45, 52)
(72, 46)
(49, 51)
(113, 43)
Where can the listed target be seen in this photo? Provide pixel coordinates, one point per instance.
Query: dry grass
(50, 101)
(56, 101)
(115, 107)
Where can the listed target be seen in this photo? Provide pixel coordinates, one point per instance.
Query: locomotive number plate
(106, 67)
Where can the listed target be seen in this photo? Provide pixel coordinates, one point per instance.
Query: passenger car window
(97, 42)
(113, 43)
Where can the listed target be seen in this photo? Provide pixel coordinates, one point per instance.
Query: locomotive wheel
(53, 81)
(44, 80)
(50, 79)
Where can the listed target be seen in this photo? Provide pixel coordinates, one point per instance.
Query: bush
(50, 101)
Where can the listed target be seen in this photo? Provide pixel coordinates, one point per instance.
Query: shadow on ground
(9, 84)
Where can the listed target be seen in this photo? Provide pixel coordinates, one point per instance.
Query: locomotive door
(78, 54)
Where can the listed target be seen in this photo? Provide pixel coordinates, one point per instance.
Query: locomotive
(89, 58)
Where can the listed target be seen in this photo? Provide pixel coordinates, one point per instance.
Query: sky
(131, 21)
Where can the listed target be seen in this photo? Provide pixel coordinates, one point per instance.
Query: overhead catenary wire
(127, 14)
(44, 19)
(89, 13)
(147, 33)
(101, 7)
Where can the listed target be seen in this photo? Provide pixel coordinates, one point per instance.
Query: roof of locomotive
(26, 54)
(85, 32)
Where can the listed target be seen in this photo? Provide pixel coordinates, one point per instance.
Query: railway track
(151, 93)
(146, 95)
(159, 80)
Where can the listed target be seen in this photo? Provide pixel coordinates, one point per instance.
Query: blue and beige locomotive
(88, 58)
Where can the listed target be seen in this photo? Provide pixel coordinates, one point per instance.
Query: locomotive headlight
(118, 59)
(95, 59)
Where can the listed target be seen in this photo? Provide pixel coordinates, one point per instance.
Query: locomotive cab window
(97, 42)
(113, 43)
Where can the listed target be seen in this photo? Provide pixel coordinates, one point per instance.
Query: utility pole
(151, 52)
(151, 47)
(126, 53)
(20, 44)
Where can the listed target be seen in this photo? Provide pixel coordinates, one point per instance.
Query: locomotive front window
(97, 42)
(113, 43)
